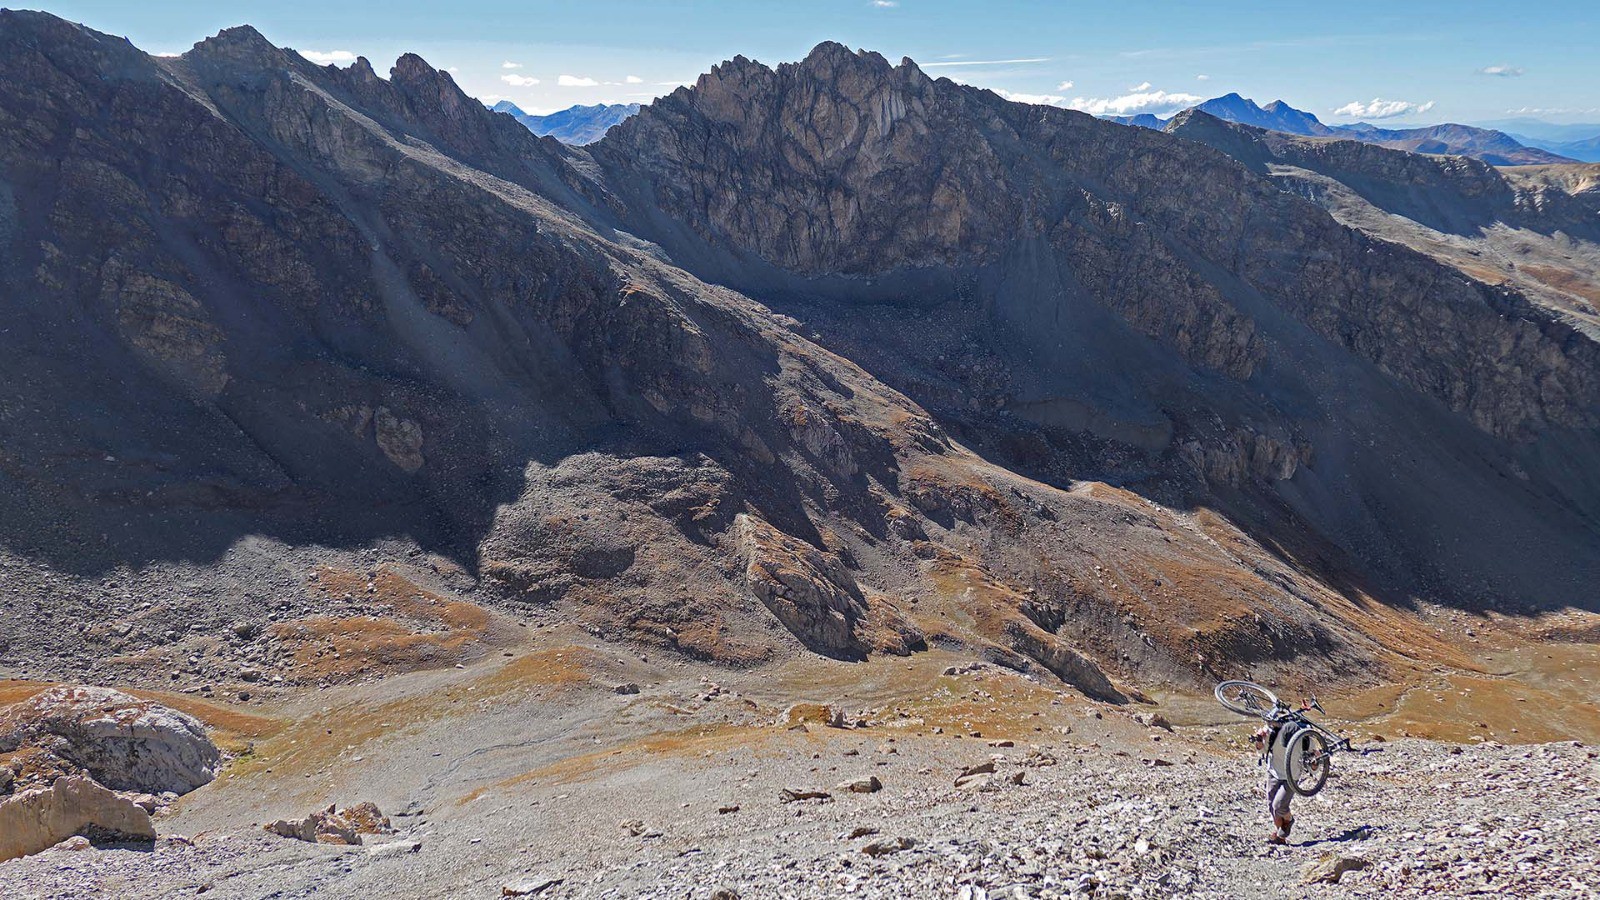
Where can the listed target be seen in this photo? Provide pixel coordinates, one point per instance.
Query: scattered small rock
(867, 785)
(394, 848)
(972, 772)
(887, 846)
(529, 887)
(637, 828)
(334, 826)
(1153, 720)
(1330, 867)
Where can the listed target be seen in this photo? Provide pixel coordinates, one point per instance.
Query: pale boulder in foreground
(40, 818)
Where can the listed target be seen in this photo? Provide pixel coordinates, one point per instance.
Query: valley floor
(531, 769)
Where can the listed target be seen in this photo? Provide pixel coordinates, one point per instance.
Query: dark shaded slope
(326, 305)
(1040, 279)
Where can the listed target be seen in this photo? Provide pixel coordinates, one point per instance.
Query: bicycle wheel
(1309, 762)
(1246, 698)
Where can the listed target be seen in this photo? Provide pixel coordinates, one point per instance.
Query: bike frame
(1283, 714)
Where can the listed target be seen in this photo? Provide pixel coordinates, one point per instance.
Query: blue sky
(1400, 62)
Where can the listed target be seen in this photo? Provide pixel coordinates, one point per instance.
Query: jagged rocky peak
(413, 69)
(853, 71)
(832, 56)
(433, 89)
(864, 80)
(240, 44)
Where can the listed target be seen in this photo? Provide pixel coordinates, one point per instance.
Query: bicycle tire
(1246, 698)
(1309, 762)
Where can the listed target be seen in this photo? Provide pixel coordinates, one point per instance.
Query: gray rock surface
(125, 743)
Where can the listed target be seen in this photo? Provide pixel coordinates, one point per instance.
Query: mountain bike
(1307, 747)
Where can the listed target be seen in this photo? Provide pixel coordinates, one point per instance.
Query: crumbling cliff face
(830, 358)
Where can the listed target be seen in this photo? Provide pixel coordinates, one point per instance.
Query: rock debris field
(1099, 802)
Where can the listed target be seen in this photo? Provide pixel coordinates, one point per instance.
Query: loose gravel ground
(677, 793)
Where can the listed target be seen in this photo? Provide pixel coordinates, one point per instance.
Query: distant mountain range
(1487, 144)
(1581, 141)
(575, 125)
(1587, 150)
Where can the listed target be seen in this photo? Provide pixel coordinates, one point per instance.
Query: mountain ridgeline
(1494, 147)
(831, 357)
(574, 125)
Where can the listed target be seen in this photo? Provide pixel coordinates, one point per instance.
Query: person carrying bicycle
(1296, 749)
(1279, 793)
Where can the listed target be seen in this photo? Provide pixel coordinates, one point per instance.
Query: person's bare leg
(1278, 798)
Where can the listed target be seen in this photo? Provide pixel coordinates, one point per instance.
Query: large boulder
(40, 818)
(126, 743)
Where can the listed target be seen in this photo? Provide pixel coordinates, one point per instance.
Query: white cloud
(1064, 86)
(988, 62)
(328, 57)
(633, 79)
(519, 80)
(1035, 99)
(1382, 109)
(508, 64)
(1202, 78)
(576, 81)
(166, 55)
(884, 4)
(453, 70)
(1142, 101)
(1139, 88)
(1503, 71)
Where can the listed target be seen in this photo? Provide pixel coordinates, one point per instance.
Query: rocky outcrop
(810, 593)
(125, 743)
(40, 818)
(334, 826)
